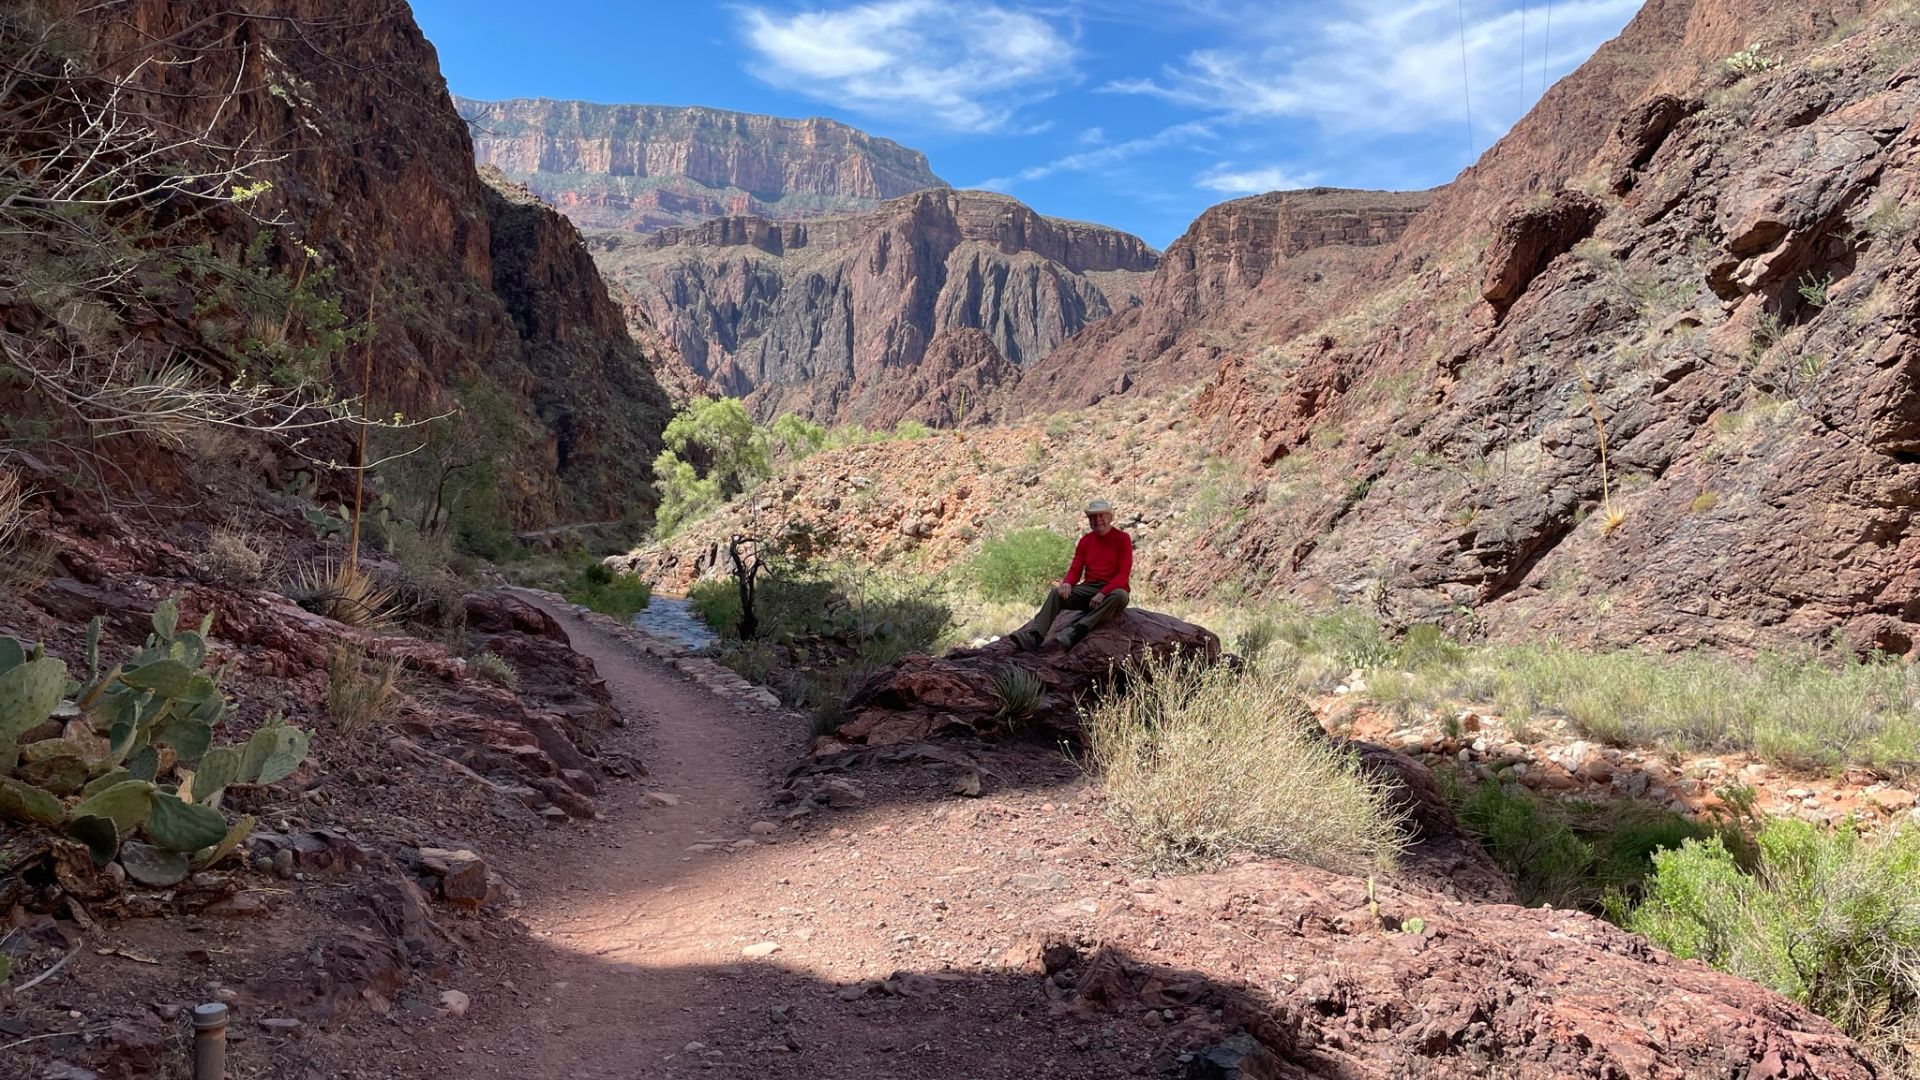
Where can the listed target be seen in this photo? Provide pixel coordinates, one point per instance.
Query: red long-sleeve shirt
(1107, 559)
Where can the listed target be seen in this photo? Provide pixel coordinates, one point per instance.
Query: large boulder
(924, 695)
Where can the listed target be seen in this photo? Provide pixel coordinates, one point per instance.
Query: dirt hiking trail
(653, 932)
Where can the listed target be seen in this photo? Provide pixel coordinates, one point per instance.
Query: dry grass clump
(359, 693)
(13, 509)
(494, 668)
(233, 556)
(1202, 764)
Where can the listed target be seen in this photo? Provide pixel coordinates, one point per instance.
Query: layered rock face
(1246, 271)
(1675, 405)
(878, 317)
(646, 167)
(471, 282)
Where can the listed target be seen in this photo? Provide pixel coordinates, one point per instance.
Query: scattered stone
(967, 784)
(763, 828)
(661, 798)
(760, 951)
(454, 1003)
(1892, 800)
(280, 1025)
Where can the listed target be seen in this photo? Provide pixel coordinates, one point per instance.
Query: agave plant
(344, 592)
(131, 749)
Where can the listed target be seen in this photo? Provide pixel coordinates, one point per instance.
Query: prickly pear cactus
(29, 692)
(150, 719)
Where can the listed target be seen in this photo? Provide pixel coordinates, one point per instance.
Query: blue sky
(1133, 113)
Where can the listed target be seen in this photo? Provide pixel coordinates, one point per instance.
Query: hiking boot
(1024, 641)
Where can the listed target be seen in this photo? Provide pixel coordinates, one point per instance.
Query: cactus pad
(216, 770)
(28, 694)
(182, 826)
(126, 804)
(228, 844)
(24, 802)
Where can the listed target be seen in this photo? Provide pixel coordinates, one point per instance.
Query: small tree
(714, 452)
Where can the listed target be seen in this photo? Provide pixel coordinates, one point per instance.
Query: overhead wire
(1546, 49)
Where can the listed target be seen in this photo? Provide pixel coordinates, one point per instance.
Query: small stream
(671, 618)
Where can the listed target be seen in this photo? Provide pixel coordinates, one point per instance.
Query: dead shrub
(360, 692)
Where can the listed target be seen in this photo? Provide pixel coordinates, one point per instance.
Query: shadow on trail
(1062, 1009)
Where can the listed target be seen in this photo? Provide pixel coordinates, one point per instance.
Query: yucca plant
(1020, 693)
(344, 592)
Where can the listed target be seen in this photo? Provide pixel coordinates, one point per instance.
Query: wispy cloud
(967, 66)
(1105, 157)
(1230, 180)
(1389, 65)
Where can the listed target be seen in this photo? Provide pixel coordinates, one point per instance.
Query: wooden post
(360, 456)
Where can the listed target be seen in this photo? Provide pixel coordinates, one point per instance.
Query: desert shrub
(597, 586)
(797, 438)
(1830, 919)
(360, 692)
(494, 668)
(25, 563)
(717, 602)
(425, 585)
(751, 660)
(1570, 854)
(1199, 765)
(233, 556)
(1253, 642)
(824, 695)
(1020, 565)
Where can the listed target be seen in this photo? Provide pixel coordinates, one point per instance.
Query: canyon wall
(643, 167)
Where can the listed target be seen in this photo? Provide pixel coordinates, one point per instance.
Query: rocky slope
(1666, 401)
(920, 309)
(645, 167)
(472, 283)
(1245, 272)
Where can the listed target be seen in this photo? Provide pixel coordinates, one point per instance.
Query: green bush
(1201, 765)
(1021, 565)
(1570, 854)
(717, 602)
(1830, 919)
(620, 595)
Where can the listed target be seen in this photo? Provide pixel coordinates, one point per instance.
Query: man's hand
(1064, 590)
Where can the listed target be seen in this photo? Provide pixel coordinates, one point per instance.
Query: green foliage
(1569, 854)
(494, 668)
(1020, 693)
(882, 617)
(285, 321)
(1799, 710)
(1749, 61)
(713, 452)
(162, 697)
(1020, 565)
(620, 595)
(798, 438)
(1815, 289)
(1830, 919)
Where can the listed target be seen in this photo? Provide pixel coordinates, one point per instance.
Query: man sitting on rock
(1095, 585)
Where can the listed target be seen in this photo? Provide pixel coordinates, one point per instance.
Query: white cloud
(1093, 136)
(1230, 180)
(1389, 65)
(1106, 156)
(968, 66)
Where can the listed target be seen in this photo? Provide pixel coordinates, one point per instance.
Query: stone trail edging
(716, 679)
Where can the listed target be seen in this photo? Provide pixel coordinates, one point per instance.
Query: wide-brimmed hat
(1099, 506)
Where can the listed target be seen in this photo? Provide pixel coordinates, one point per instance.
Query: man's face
(1100, 523)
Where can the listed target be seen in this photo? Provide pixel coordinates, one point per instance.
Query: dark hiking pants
(1094, 609)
